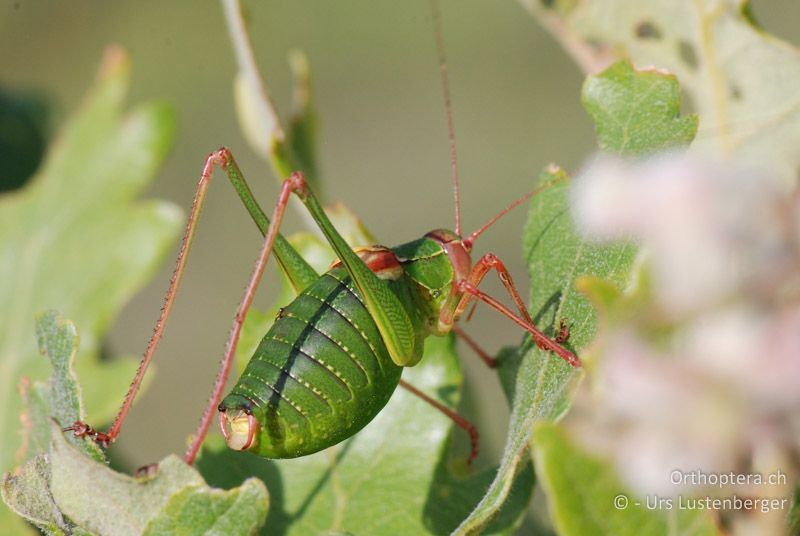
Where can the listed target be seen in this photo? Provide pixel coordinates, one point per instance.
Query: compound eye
(238, 427)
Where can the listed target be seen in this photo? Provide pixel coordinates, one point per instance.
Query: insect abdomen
(319, 375)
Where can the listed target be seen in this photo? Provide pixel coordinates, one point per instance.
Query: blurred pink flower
(716, 387)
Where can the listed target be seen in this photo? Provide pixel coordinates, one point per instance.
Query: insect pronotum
(335, 354)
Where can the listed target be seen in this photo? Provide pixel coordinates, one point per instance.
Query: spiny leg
(461, 422)
(241, 313)
(298, 271)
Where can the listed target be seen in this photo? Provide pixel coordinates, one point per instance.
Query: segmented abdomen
(320, 374)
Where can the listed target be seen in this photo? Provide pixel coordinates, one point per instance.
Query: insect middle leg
(461, 422)
(490, 361)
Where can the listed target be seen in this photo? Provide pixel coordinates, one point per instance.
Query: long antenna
(451, 132)
(471, 238)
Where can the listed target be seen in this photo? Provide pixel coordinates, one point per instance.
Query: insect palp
(238, 428)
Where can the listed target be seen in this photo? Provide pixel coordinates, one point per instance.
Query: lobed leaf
(74, 238)
(742, 81)
(637, 112)
(71, 490)
(88, 255)
(60, 399)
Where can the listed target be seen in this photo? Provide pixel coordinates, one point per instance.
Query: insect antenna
(471, 238)
(451, 132)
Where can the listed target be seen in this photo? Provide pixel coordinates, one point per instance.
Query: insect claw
(563, 331)
(79, 429)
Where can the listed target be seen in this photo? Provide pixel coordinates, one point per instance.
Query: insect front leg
(470, 289)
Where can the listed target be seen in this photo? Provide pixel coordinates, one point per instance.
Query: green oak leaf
(742, 81)
(68, 490)
(586, 496)
(637, 112)
(198, 510)
(303, 125)
(74, 238)
(61, 399)
(103, 501)
(27, 492)
(558, 258)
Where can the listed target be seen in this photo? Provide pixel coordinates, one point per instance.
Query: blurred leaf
(637, 112)
(743, 82)
(257, 116)
(27, 490)
(304, 122)
(74, 239)
(23, 119)
(586, 497)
